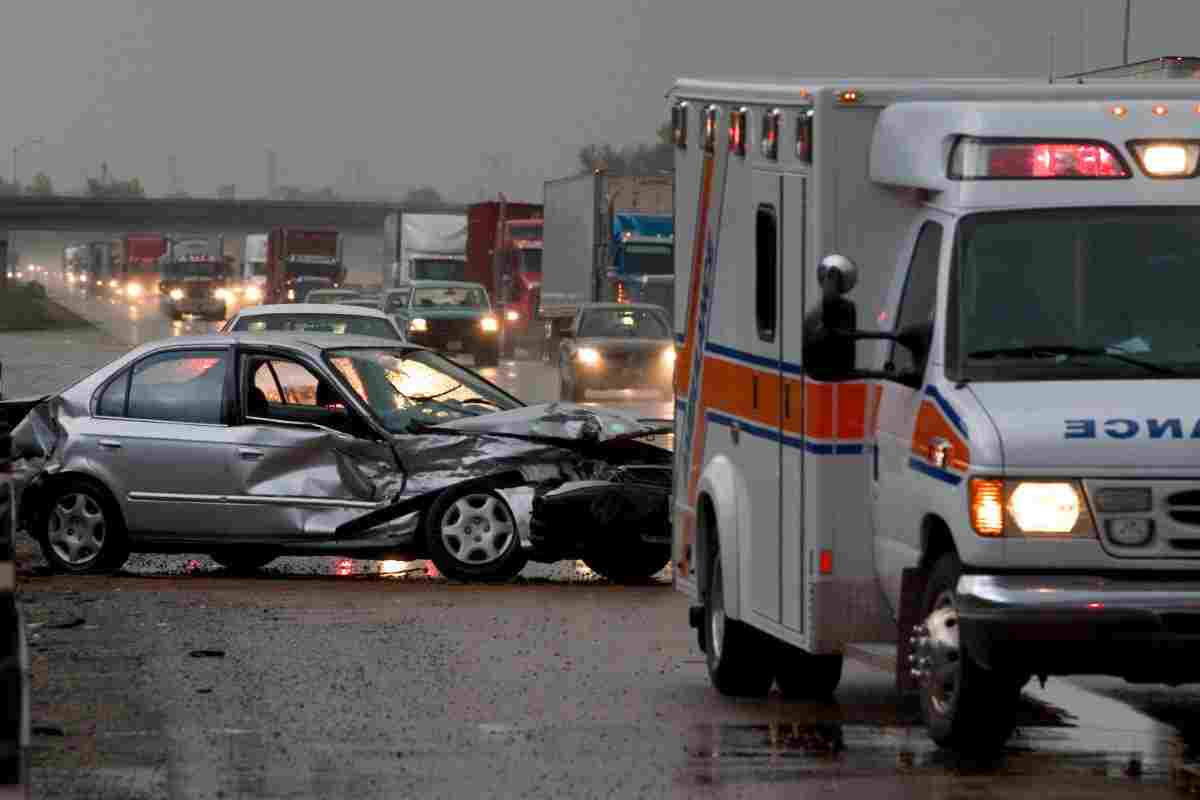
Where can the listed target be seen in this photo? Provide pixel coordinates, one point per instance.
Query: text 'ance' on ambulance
(939, 357)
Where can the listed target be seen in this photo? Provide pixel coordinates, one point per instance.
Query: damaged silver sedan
(250, 447)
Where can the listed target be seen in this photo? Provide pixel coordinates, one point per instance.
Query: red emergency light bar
(976, 159)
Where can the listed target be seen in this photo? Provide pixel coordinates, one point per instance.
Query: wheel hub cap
(478, 529)
(935, 654)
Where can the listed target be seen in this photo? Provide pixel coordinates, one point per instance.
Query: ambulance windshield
(1077, 295)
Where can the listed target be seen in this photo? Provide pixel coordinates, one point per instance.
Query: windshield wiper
(1036, 350)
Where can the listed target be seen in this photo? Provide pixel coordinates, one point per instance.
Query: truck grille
(197, 291)
(1174, 515)
(451, 328)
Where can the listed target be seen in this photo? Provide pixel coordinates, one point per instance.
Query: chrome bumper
(1078, 624)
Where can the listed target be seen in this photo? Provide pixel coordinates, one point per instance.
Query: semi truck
(934, 386)
(140, 264)
(606, 239)
(194, 277)
(300, 260)
(424, 247)
(509, 268)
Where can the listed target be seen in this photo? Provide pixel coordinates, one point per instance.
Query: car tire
(243, 561)
(635, 564)
(804, 676)
(80, 529)
(471, 534)
(966, 707)
(736, 654)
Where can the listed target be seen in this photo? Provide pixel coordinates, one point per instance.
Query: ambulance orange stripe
(683, 364)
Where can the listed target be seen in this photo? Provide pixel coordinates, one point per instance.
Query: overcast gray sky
(423, 90)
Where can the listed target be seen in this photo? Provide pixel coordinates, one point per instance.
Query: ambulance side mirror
(836, 275)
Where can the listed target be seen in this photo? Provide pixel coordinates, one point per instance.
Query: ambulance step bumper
(1078, 624)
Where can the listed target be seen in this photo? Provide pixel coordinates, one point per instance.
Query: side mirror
(836, 275)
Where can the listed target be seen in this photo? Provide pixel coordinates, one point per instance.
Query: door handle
(939, 447)
(250, 455)
(110, 444)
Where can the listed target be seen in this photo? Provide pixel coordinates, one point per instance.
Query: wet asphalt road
(340, 678)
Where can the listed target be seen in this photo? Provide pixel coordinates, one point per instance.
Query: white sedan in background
(315, 318)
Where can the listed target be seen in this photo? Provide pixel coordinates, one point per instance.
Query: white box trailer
(937, 355)
(424, 246)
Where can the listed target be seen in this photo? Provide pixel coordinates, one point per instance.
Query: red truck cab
(301, 260)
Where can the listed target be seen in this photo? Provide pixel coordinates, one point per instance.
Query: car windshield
(317, 323)
(649, 259)
(450, 297)
(622, 323)
(1078, 294)
(320, 296)
(439, 269)
(193, 269)
(409, 388)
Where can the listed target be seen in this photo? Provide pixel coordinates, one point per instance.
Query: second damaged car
(250, 447)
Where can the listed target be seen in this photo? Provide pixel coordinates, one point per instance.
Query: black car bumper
(1143, 631)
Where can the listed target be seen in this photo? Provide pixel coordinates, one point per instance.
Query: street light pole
(1125, 44)
(13, 161)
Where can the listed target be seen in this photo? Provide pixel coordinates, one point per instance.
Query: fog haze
(424, 92)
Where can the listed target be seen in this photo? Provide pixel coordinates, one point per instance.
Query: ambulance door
(792, 302)
(762, 449)
(899, 471)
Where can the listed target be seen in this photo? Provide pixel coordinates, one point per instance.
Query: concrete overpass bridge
(125, 215)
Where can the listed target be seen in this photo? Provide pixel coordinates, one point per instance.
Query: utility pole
(1125, 43)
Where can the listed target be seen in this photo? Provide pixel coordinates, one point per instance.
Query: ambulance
(938, 385)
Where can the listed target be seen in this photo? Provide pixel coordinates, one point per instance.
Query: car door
(895, 464)
(160, 435)
(765, 449)
(303, 462)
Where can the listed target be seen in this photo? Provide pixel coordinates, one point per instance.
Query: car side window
(178, 386)
(299, 386)
(919, 300)
(112, 401)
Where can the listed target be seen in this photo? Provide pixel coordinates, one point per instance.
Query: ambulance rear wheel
(736, 654)
(803, 676)
(966, 707)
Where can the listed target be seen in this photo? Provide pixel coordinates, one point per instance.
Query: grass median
(25, 307)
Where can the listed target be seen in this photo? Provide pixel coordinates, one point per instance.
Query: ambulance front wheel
(737, 655)
(966, 707)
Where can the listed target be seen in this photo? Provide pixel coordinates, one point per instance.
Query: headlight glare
(489, 324)
(1044, 507)
(134, 290)
(668, 355)
(253, 294)
(418, 325)
(512, 316)
(177, 294)
(588, 356)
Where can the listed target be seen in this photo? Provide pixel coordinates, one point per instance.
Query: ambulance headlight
(1033, 508)
(1160, 159)
(668, 356)
(1044, 507)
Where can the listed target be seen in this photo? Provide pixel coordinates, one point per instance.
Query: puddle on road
(1053, 759)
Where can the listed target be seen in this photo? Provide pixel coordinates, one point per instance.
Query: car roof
(430, 284)
(312, 343)
(312, 308)
(621, 307)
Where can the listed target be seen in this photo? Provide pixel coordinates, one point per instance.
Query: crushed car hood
(558, 422)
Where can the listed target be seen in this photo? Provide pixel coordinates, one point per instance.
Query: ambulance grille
(1189, 498)
(1184, 507)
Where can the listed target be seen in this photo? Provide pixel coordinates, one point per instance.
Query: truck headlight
(134, 290)
(253, 294)
(177, 294)
(222, 294)
(112, 284)
(588, 356)
(418, 325)
(512, 316)
(489, 324)
(1010, 507)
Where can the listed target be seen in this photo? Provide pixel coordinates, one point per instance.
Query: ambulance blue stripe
(751, 358)
(816, 448)
(948, 410)
(942, 475)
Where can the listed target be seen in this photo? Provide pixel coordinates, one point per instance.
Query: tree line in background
(630, 159)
